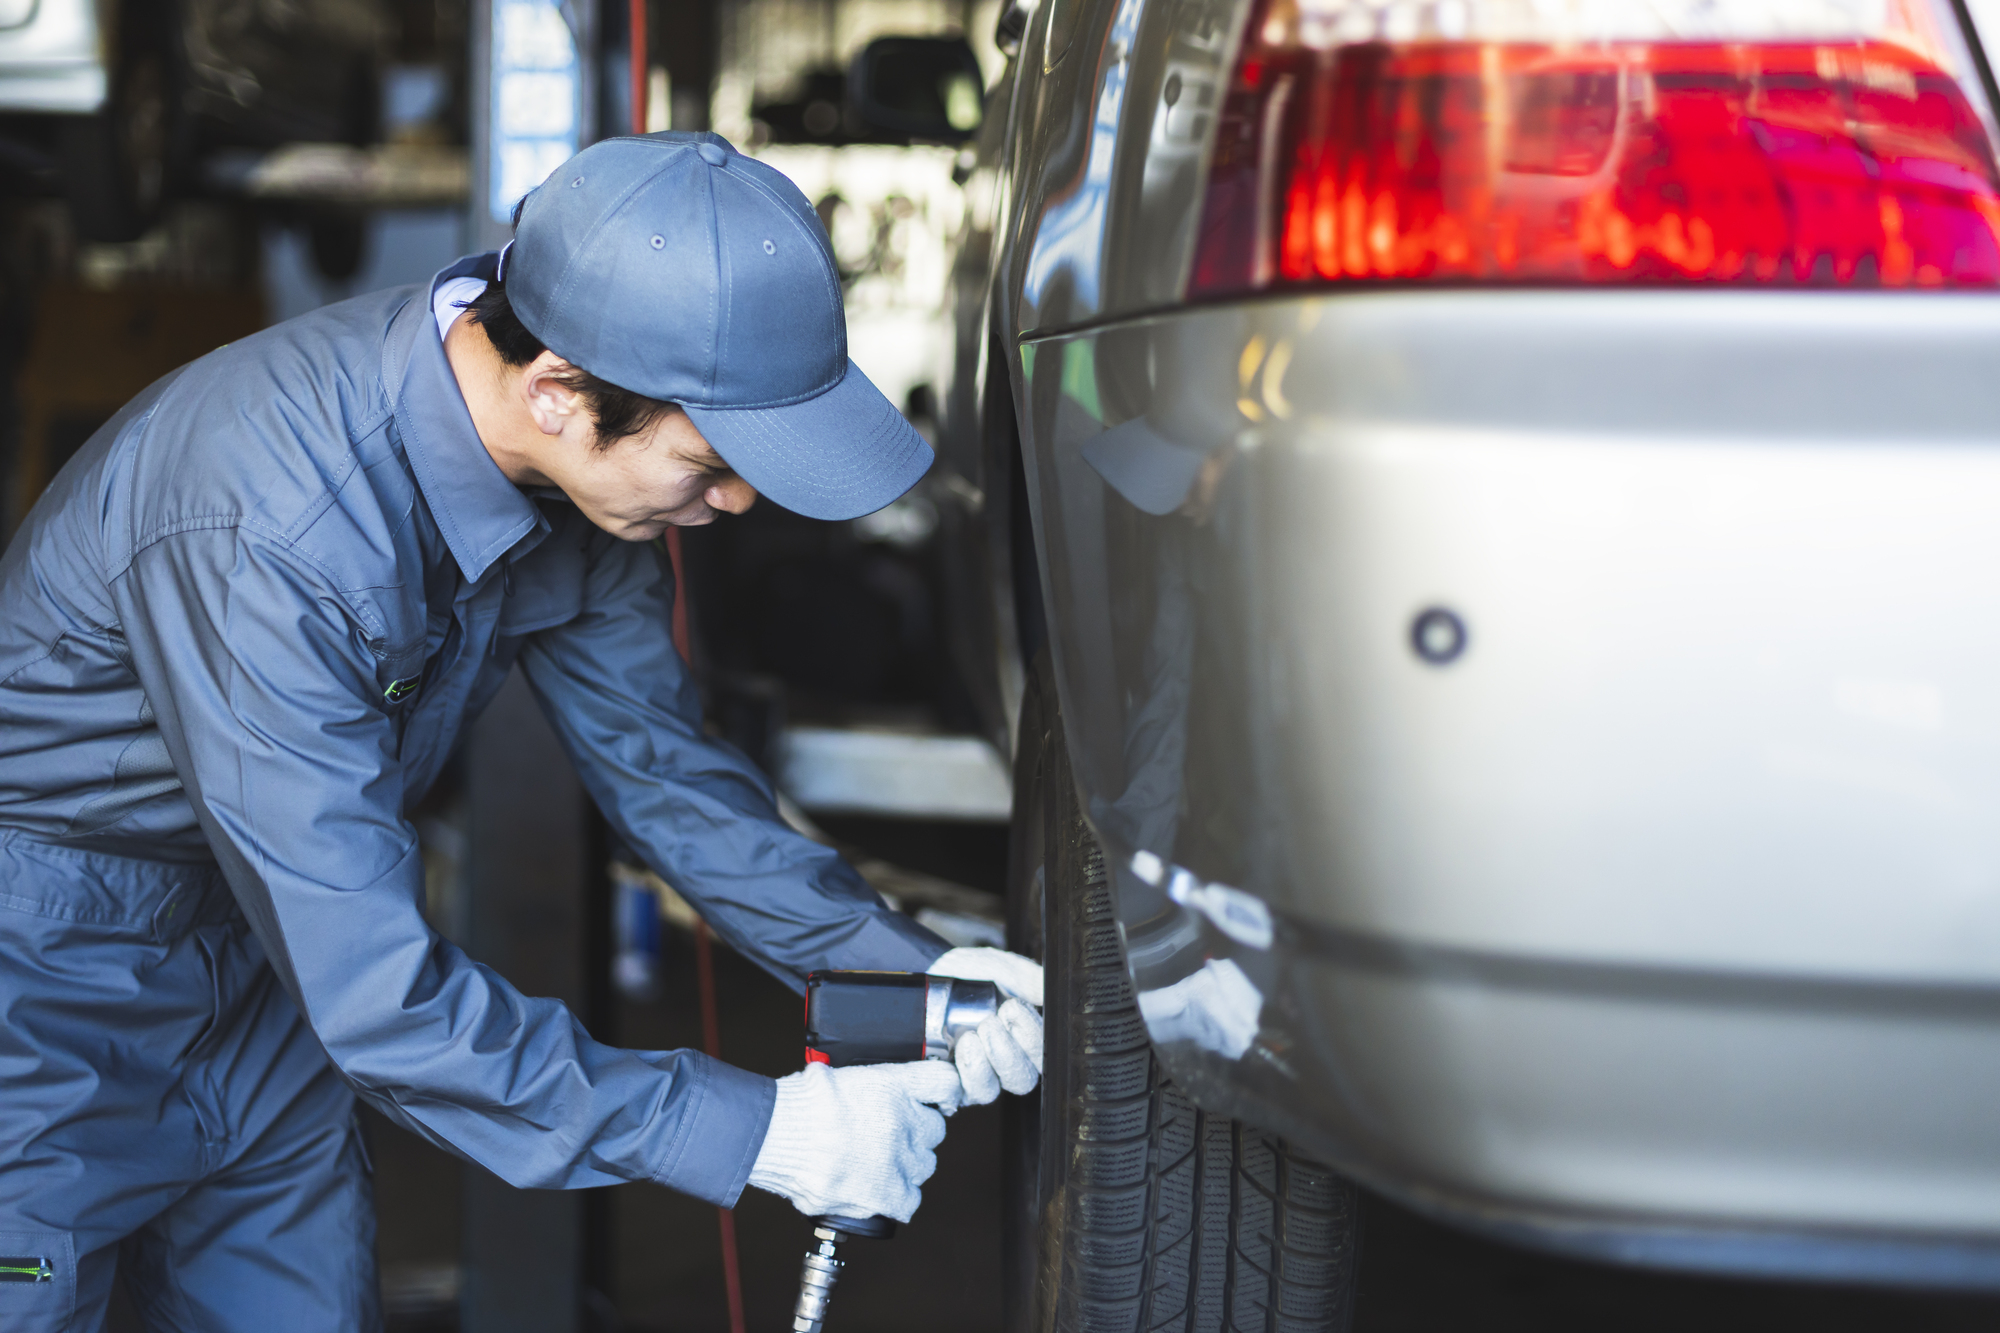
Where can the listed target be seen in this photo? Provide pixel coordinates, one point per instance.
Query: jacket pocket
(37, 1281)
(399, 672)
(211, 967)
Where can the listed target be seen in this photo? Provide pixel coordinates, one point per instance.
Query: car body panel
(1114, 140)
(1649, 911)
(974, 484)
(1773, 589)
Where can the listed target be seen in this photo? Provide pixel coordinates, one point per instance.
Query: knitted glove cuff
(789, 1157)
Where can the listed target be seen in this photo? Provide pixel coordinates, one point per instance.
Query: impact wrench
(876, 1018)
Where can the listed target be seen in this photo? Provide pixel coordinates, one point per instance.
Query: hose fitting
(822, 1267)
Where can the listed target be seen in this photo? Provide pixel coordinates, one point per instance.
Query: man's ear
(550, 402)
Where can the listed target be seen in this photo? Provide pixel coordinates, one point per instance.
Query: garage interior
(817, 645)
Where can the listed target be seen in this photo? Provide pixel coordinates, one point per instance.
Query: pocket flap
(38, 1278)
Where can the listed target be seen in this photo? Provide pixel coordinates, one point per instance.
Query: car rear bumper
(1663, 921)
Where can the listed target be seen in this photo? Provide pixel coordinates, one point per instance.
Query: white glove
(1003, 1052)
(856, 1142)
(1019, 977)
(1006, 1050)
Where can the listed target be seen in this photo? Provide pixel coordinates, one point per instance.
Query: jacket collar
(481, 513)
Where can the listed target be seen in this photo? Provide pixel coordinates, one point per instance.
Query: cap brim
(843, 454)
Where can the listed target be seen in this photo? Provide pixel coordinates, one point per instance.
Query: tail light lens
(1843, 143)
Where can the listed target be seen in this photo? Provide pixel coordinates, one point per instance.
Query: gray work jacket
(247, 623)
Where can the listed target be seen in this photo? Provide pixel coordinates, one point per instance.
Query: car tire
(1129, 1208)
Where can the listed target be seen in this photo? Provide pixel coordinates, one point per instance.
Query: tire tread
(1182, 1220)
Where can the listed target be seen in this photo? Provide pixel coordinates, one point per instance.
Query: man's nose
(733, 496)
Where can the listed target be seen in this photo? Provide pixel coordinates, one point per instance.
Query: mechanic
(238, 638)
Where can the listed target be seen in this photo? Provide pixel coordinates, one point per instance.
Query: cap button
(712, 153)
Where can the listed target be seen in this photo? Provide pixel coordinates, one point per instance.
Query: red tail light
(1862, 158)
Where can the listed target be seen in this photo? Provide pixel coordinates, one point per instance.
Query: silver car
(1478, 520)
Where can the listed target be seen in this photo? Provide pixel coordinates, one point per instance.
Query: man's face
(667, 475)
(636, 487)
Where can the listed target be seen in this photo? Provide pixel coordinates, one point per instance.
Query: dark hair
(617, 412)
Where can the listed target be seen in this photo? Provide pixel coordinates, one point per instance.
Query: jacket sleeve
(263, 682)
(702, 814)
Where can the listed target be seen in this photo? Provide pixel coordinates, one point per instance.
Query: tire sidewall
(1023, 1244)
(1126, 1202)
(1051, 860)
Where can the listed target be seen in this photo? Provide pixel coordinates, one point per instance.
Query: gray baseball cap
(675, 267)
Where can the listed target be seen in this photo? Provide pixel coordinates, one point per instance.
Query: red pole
(637, 65)
(680, 595)
(711, 1036)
